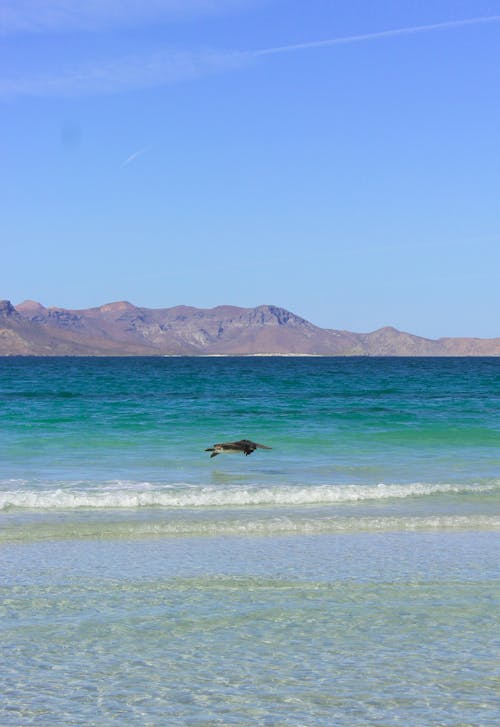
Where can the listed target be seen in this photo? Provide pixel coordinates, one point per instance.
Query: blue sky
(338, 158)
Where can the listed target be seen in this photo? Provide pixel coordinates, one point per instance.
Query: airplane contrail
(170, 67)
(133, 156)
(374, 36)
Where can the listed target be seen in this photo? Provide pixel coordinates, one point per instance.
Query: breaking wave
(131, 496)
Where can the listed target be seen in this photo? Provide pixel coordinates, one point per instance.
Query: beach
(349, 576)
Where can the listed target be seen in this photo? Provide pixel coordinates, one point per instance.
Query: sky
(338, 158)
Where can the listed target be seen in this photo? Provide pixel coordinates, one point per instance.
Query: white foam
(144, 495)
(262, 526)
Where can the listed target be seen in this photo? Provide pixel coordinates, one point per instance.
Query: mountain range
(123, 329)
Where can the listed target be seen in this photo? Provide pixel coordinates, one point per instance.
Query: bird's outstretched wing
(246, 446)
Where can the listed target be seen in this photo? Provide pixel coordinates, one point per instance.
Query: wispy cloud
(169, 66)
(42, 16)
(123, 74)
(134, 156)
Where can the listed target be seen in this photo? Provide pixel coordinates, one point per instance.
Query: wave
(271, 526)
(131, 496)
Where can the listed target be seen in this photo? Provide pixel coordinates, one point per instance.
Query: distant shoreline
(123, 329)
(246, 355)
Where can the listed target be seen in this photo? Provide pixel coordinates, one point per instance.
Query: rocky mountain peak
(122, 329)
(6, 308)
(29, 307)
(117, 307)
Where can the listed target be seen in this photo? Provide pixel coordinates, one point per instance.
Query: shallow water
(349, 576)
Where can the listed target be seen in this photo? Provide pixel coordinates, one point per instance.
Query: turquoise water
(349, 576)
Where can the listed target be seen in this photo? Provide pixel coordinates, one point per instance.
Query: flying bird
(242, 445)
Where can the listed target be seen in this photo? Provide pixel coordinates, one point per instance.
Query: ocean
(348, 576)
